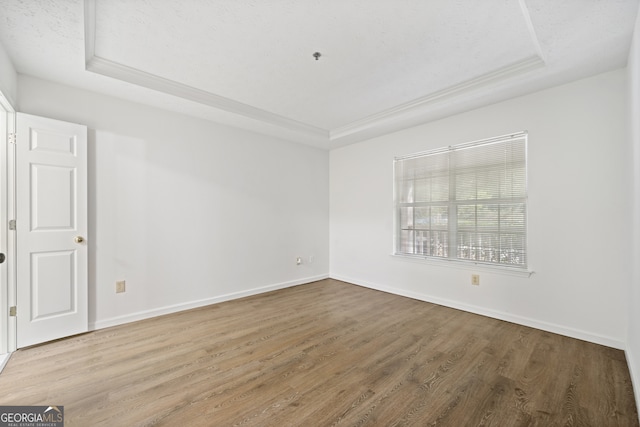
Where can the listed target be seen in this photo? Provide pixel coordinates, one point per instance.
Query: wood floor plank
(324, 354)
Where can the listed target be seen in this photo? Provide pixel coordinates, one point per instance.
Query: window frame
(451, 231)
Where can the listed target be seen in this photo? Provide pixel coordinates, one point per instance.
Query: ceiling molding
(466, 87)
(89, 30)
(137, 77)
(106, 67)
(532, 32)
(374, 125)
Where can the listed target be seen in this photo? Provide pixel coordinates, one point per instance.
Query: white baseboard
(4, 358)
(141, 315)
(509, 317)
(634, 372)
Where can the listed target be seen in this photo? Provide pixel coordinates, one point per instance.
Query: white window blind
(466, 202)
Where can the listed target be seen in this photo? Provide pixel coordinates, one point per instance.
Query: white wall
(633, 336)
(579, 214)
(188, 212)
(8, 77)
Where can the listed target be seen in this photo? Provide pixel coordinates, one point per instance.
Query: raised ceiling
(385, 64)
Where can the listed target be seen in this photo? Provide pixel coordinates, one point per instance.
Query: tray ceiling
(384, 64)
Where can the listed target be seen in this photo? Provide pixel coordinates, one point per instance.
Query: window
(467, 202)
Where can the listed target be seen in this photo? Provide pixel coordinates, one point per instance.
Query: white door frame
(8, 288)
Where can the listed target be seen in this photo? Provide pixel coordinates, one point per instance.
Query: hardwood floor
(324, 354)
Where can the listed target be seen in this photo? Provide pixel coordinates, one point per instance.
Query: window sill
(466, 265)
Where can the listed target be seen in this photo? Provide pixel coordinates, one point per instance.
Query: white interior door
(51, 226)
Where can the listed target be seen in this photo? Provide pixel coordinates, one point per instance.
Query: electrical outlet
(475, 279)
(311, 259)
(120, 286)
(298, 260)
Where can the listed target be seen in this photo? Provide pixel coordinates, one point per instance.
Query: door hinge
(12, 224)
(12, 311)
(12, 138)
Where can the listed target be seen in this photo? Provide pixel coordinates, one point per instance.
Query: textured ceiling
(385, 64)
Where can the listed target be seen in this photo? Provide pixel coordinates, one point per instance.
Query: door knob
(2, 258)
(79, 239)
